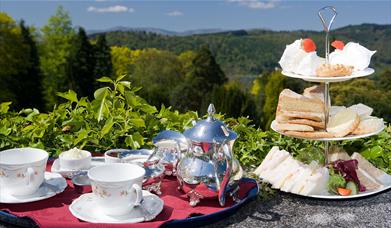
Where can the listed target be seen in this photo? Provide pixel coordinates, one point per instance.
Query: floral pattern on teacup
(3, 173)
(124, 193)
(100, 192)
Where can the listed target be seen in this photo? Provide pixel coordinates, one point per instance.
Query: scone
(333, 70)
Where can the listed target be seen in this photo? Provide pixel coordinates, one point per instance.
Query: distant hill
(251, 52)
(156, 30)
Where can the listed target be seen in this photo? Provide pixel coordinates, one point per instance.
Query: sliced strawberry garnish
(338, 44)
(308, 45)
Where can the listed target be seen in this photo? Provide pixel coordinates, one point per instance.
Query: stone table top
(288, 210)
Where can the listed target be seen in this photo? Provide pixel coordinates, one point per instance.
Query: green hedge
(118, 118)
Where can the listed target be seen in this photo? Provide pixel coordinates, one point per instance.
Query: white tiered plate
(314, 78)
(361, 194)
(53, 184)
(348, 137)
(86, 209)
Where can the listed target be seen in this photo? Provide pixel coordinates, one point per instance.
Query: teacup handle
(30, 175)
(139, 194)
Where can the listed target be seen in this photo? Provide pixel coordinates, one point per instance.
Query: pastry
(352, 54)
(333, 70)
(300, 57)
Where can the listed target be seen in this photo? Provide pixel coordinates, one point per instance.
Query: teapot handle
(224, 183)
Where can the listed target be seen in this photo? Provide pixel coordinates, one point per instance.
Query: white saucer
(86, 209)
(67, 173)
(53, 184)
(314, 78)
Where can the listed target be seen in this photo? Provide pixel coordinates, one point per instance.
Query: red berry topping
(309, 45)
(338, 44)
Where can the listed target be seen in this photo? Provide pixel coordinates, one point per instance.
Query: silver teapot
(208, 169)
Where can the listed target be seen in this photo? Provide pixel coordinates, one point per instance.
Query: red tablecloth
(54, 212)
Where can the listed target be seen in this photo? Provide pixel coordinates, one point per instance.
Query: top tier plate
(314, 78)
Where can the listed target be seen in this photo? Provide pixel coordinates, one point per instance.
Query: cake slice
(343, 123)
(291, 101)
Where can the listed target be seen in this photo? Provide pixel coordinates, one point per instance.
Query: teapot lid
(210, 130)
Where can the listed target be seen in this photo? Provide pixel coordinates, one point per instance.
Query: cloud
(110, 9)
(255, 4)
(175, 13)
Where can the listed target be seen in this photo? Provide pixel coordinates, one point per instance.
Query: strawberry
(337, 44)
(308, 45)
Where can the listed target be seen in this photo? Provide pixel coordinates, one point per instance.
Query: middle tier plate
(314, 78)
(348, 137)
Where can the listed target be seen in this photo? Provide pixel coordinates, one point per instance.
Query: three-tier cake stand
(327, 101)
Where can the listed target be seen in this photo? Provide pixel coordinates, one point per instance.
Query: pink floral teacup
(22, 170)
(117, 187)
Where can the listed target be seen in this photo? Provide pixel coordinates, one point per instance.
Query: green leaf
(106, 128)
(82, 134)
(101, 93)
(119, 78)
(70, 95)
(4, 107)
(137, 122)
(105, 79)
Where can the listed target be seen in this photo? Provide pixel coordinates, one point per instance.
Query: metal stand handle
(327, 100)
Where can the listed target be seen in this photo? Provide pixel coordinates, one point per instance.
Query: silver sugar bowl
(208, 169)
(169, 145)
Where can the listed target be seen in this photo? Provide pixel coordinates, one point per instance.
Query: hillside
(252, 52)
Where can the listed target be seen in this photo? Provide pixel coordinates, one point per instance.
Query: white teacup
(75, 159)
(22, 170)
(117, 187)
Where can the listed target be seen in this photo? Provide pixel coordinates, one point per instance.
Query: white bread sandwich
(292, 127)
(376, 173)
(315, 92)
(362, 110)
(288, 174)
(291, 101)
(282, 115)
(343, 123)
(368, 125)
(366, 178)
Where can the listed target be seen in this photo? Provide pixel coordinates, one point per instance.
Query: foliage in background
(118, 118)
(241, 53)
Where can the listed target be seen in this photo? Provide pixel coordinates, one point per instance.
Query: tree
(29, 88)
(102, 57)
(80, 70)
(157, 72)
(12, 58)
(201, 78)
(206, 68)
(123, 60)
(55, 50)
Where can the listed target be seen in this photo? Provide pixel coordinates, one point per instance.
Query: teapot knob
(211, 111)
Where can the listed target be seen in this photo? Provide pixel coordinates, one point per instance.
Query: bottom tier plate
(348, 137)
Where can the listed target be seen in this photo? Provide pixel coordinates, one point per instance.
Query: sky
(183, 15)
